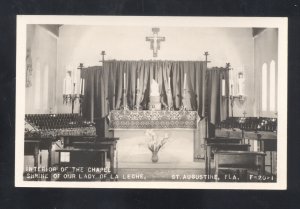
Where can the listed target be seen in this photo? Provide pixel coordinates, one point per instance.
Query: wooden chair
(240, 160)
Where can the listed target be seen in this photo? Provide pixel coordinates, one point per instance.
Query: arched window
(272, 86)
(264, 88)
(37, 86)
(268, 89)
(45, 87)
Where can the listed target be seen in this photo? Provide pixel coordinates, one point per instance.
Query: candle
(138, 83)
(231, 87)
(184, 82)
(80, 86)
(68, 85)
(64, 86)
(169, 81)
(124, 95)
(223, 87)
(241, 84)
(124, 82)
(83, 86)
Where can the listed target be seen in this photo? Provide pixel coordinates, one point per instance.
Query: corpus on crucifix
(155, 41)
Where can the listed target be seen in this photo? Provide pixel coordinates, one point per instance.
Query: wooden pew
(240, 160)
(221, 144)
(98, 143)
(214, 147)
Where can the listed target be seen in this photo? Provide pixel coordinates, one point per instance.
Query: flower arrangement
(155, 143)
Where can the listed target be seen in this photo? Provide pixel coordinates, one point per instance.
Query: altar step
(161, 174)
(169, 165)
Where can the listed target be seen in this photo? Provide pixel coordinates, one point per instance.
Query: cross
(155, 41)
(244, 113)
(80, 66)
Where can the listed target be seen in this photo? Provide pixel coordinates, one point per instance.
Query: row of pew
(233, 156)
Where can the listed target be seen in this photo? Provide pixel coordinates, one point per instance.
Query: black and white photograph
(151, 102)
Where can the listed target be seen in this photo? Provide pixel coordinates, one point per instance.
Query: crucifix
(155, 41)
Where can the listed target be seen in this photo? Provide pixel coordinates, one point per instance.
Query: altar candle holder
(71, 98)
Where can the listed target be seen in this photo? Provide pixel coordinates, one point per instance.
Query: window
(37, 86)
(272, 86)
(268, 89)
(45, 88)
(264, 87)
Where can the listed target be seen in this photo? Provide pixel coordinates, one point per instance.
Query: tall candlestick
(184, 82)
(223, 87)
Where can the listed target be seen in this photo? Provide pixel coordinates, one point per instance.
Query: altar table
(126, 119)
(130, 126)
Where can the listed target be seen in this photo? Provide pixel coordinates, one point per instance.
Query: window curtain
(217, 105)
(104, 85)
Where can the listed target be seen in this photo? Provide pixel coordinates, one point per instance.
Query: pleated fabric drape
(217, 105)
(104, 87)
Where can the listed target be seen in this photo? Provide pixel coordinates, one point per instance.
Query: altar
(181, 128)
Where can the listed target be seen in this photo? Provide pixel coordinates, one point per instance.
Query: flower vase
(154, 157)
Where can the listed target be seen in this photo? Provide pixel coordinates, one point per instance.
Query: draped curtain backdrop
(104, 87)
(217, 105)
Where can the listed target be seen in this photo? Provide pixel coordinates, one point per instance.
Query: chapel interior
(152, 100)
